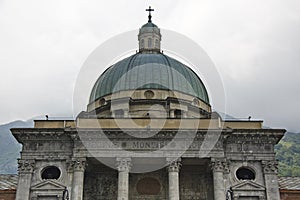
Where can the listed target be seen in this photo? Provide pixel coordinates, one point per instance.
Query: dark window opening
(245, 174)
(178, 113)
(51, 172)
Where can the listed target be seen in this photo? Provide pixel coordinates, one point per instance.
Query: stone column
(218, 169)
(172, 114)
(123, 166)
(271, 179)
(25, 168)
(78, 178)
(173, 169)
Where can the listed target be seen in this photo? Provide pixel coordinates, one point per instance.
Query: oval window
(244, 173)
(149, 94)
(148, 186)
(51, 172)
(102, 101)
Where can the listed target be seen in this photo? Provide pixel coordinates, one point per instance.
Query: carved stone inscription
(145, 144)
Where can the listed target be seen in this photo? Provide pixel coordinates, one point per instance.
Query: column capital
(123, 164)
(173, 164)
(219, 165)
(26, 166)
(270, 167)
(78, 164)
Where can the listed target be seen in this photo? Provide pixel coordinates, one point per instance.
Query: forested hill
(288, 154)
(9, 147)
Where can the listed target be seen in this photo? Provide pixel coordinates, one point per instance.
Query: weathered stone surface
(65, 150)
(101, 186)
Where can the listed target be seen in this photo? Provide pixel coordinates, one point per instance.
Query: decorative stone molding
(174, 164)
(237, 197)
(226, 165)
(123, 164)
(69, 166)
(26, 166)
(77, 164)
(252, 138)
(270, 167)
(219, 165)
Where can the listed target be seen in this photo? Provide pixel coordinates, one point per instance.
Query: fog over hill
(9, 147)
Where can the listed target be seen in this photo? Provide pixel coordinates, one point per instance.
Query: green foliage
(288, 154)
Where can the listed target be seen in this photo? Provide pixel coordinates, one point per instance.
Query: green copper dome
(149, 71)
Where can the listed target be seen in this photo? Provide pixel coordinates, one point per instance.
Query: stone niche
(149, 186)
(196, 183)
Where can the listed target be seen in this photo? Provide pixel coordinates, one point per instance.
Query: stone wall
(101, 186)
(195, 183)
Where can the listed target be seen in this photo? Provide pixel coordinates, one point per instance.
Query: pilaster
(25, 168)
(270, 170)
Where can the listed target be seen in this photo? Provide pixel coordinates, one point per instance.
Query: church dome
(149, 83)
(149, 71)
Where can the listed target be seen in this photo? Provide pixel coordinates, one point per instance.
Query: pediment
(248, 185)
(48, 185)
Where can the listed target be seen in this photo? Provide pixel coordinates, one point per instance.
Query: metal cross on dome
(149, 16)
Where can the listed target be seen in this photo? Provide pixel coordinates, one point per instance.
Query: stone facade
(188, 177)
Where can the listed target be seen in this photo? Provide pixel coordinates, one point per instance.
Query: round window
(149, 94)
(102, 101)
(244, 173)
(196, 102)
(51, 172)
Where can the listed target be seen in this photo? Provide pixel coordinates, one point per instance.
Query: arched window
(149, 42)
(178, 113)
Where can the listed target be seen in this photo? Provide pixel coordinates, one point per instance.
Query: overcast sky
(255, 45)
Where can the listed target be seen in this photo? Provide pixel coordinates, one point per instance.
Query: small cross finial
(149, 16)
